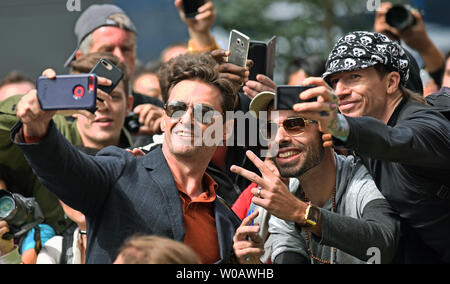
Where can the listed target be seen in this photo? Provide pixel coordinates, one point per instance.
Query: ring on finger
(258, 193)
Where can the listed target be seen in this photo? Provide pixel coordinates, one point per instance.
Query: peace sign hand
(272, 193)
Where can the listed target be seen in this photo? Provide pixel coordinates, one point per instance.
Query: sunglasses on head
(202, 113)
(294, 126)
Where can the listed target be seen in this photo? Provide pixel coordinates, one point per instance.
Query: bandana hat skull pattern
(360, 50)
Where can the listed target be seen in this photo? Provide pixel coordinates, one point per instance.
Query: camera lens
(132, 122)
(400, 17)
(7, 206)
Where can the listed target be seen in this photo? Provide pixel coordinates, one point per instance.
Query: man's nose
(103, 107)
(187, 118)
(118, 52)
(281, 136)
(341, 89)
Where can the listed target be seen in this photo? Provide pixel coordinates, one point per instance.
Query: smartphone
(105, 68)
(190, 7)
(287, 96)
(239, 45)
(67, 92)
(263, 56)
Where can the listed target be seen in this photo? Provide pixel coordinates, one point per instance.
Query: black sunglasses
(203, 114)
(294, 126)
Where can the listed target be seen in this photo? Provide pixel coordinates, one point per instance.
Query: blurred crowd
(358, 172)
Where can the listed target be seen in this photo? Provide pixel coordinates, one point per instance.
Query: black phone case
(190, 7)
(287, 96)
(263, 56)
(105, 68)
(61, 93)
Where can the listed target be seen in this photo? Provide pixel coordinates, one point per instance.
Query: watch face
(313, 216)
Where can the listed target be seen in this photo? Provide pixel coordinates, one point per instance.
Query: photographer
(9, 253)
(21, 225)
(416, 37)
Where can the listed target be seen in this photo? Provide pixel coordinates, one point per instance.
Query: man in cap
(404, 143)
(106, 28)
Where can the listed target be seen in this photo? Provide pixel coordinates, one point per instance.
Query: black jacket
(409, 159)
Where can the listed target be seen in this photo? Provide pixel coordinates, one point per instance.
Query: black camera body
(21, 213)
(400, 17)
(132, 122)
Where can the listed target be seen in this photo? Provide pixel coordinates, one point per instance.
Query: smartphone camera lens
(238, 42)
(78, 92)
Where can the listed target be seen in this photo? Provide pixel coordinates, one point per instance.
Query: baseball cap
(261, 102)
(96, 16)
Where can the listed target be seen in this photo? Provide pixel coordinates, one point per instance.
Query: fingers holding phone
(247, 243)
(35, 120)
(262, 84)
(238, 75)
(320, 104)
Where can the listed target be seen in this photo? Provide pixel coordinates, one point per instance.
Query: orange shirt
(200, 222)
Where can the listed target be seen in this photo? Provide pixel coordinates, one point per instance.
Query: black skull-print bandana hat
(360, 50)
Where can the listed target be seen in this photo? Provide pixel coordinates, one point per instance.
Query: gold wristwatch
(312, 216)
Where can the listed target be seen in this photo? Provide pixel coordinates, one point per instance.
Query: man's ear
(78, 54)
(130, 101)
(392, 82)
(163, 125)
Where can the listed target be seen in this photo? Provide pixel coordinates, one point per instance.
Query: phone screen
(257, 53)
(287, 96)
(190, 7)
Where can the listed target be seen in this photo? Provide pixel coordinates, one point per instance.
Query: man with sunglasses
(165, 192)
(331, 212)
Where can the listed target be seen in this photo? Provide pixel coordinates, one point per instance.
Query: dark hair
(382, 70)
(85, 63)
(200, 66)
(15, 77)
(313, 66)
